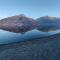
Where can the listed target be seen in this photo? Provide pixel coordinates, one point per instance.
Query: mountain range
(21, 23)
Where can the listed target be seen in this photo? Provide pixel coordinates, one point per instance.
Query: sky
(30, 8)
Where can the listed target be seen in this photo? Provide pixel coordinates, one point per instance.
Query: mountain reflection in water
(10, 37)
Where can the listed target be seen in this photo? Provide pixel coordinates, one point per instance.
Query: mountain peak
(22, 15)
(49, 17)
(18, 16)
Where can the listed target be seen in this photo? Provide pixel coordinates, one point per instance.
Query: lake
(10, 37)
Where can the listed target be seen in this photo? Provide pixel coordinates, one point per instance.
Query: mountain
(18, 23)
(47, 23)
(21, 23)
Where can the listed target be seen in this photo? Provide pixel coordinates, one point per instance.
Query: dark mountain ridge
(48, 23)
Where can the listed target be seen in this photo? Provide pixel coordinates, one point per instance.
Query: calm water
(9, 37)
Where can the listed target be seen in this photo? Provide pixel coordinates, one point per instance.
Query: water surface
(10, 37)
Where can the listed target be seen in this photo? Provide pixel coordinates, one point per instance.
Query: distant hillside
(48, 23)
(18, 23)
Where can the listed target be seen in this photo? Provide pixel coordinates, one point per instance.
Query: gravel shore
(47, 48)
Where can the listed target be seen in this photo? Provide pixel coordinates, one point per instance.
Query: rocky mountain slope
(18, 23)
